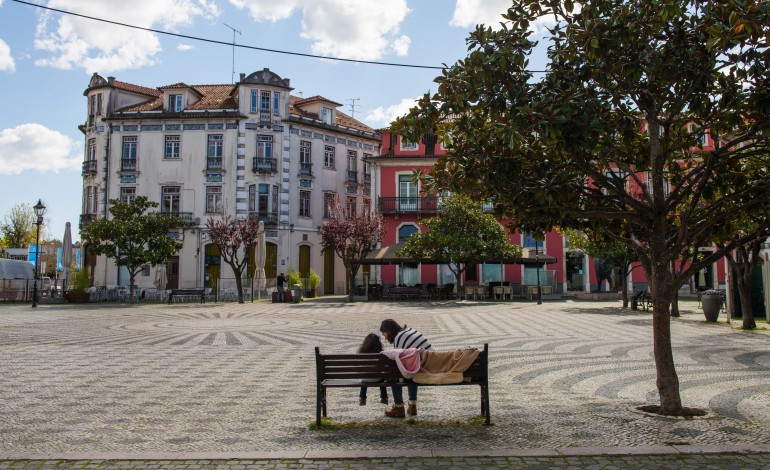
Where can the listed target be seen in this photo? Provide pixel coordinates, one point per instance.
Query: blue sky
(46, 60)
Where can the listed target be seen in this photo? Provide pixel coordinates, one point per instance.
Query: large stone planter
(711, 303)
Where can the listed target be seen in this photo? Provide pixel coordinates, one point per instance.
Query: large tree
(18, 227)
(236, 240)
(632, 96)
(351, 234)
(133, 237)
(461, 235)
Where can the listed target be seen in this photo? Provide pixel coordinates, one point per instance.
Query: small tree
(236, 239)
(133, 237)
(460, 235)
(351, 235)
(18, 227)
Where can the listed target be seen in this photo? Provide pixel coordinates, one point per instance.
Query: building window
(215, 145)
(264, 101)
(214, 199)
(528, 241)
(351, 207)
(406, 145)
(263, 202)
(253, 198)
(127, 194)
(172, 147)
(129, 147)
(367, 206)
(407, 193)
(352, 160)
(254, 95)
(170, 199)
(98, 104)
(175, 103)
(326, 115)
(329, 199)
(405, 231)
(304, 203)
(276, 103)
(329, 156)
(87, 202)
(91, 155)
(264, 147)
(304, 151)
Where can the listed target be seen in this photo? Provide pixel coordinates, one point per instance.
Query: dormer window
(326, 115)
(406, 145)
(175, 103)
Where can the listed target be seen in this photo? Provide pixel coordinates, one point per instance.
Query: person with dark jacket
(279, 282)
(403, 338)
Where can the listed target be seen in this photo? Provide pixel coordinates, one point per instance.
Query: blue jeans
(383, 393)
(281, 297)
(398, 394)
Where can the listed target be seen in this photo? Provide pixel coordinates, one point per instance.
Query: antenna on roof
(353, 106)
(232, 77)
(299, 93)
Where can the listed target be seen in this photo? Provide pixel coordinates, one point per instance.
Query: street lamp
(39, 209)
(537, 268)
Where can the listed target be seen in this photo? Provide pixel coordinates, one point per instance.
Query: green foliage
(18, 229)
(293, 277)
(81, 281)
(133, 237)
(461, 234)
(314, 279)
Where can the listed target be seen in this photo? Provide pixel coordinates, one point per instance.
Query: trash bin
(296, 293)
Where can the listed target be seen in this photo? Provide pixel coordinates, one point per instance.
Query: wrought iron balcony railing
(128, 164)
(367, 178)
(264, 165)
(352, 176)
(306, 169)
(214, 163)
(89, 167)
(187, 217)
(402, 205)
(269, 218)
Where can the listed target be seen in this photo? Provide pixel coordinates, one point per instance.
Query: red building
(403, 205)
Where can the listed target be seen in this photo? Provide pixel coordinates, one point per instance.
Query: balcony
(269, 218)
(408, 205)
(214, 163)
(367, 178)
(127, 164)
(89, 167)
(306, 169)
(187, 217)
(264, 165)
(352, 176)
(85, 219)
(265, 117)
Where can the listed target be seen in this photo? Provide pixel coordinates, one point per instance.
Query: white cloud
(94, 46)
(35, 147)
(384, 115)
(7, 63)
(185, 47)
(350, 29)
(469, 13)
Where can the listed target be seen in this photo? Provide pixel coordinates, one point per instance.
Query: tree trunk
(675, 304)
(131, 296)
(238, 281)
(667, 380)
(745, 280)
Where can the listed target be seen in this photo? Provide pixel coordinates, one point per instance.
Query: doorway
(575, 269)
(328, 272)
(212, 268)
(172, 272)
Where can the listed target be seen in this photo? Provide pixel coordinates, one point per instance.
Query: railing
(367, 178)
(306, 169)
(85, 219)
(89, 167)
(214, 163)
(352, 176)
(268, 165)
(269, 218)
(265, 117)
(187, 217)
(400, 205)
(128, 164)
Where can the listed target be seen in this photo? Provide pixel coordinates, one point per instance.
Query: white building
(250, 149)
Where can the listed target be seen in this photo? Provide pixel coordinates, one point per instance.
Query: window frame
(218, 141)
(304, 204)
(171, 142)
(125, 197)
(330, 155)
(175, 103)
(406, 145)
(214, 199)
(171, 196)
(130, 147)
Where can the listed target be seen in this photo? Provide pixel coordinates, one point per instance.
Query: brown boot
(411, 409)
(396, 411)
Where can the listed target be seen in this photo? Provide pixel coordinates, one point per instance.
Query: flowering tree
(236, 239)
(672, 89)
(351, 234)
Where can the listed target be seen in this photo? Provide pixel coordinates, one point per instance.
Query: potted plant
(711, 300)
(78, 292)
(294, 280)
(313, 282)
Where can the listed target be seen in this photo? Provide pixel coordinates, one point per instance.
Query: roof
(302, 101)
(341, 119)
(212, 97)
(131, 88)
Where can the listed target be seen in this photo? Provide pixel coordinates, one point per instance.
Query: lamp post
(537, 269)
(39, 209)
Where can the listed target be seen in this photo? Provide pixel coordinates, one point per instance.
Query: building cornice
(333, 127)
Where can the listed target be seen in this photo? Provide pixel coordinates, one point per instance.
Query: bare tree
(236, 239)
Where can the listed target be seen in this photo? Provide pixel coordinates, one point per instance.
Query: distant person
(403, 338)
(372, 345)
(279, 282)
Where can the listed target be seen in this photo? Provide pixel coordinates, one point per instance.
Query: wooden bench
(404, 293)
(351, 370)
(183, 294)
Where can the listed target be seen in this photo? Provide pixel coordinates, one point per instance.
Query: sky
(47, 59)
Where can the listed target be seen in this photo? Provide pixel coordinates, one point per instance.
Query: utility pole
(232, 77)
(353, 106)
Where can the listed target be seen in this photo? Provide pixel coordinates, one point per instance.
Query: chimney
(243, 76)
(111, 81)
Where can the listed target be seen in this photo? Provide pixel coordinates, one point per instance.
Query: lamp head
(39, 208)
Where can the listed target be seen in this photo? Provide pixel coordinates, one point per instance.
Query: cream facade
(250, 149)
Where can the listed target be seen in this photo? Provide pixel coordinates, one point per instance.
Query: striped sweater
(411, 338)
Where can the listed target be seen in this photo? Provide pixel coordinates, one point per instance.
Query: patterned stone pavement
(229, 378)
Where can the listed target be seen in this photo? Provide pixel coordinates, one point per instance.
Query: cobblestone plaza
(230, 380)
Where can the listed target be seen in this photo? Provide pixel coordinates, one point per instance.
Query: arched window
(405, 231)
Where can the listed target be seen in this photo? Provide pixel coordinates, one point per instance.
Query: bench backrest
(379, 367)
